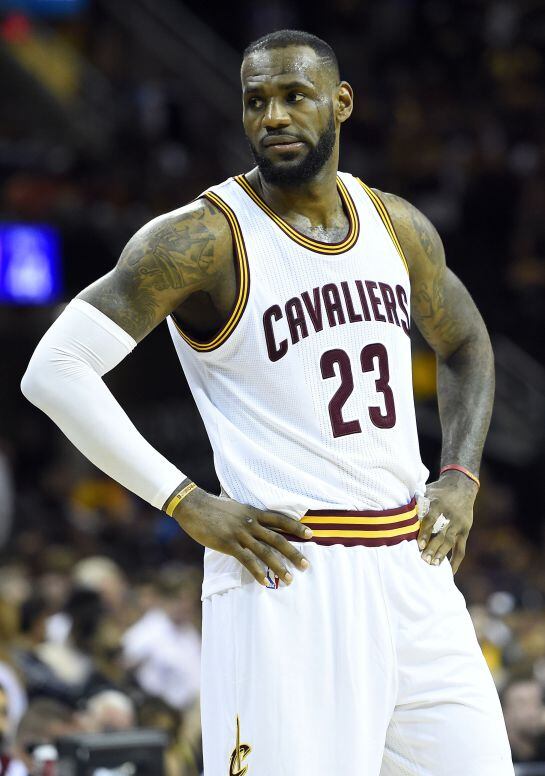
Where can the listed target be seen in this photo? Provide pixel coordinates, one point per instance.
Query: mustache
(279, 133)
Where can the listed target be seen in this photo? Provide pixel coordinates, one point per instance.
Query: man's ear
(344, 101)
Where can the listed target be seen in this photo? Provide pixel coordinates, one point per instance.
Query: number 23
(329, 359)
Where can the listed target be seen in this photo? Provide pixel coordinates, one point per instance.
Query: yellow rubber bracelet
(175, 500)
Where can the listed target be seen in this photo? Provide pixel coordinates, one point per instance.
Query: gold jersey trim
(243, 283)
(307, 242)
(386, 220)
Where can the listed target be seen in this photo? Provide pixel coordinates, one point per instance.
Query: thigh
(298, 680)
(447, 739)
(448, 719)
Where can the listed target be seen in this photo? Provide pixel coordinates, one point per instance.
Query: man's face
(290, 113)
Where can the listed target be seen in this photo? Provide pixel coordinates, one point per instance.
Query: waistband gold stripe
(386, 220)
(244, 282)
(336, 520)
(319, 534)
(308, 242)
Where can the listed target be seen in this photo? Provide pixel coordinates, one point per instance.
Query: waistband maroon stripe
(347, 542)
(375, 527)
(365, 513)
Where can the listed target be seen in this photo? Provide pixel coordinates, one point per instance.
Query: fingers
(439, 546)
(284, 547)
(458, 554)
(254, 544)
(286, 524)
(426, 527)
(251, 563)
(434, 546)
(270, 558)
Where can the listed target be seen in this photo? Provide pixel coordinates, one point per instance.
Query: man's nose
(276, 115)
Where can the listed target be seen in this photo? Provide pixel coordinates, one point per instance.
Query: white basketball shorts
(366, 665)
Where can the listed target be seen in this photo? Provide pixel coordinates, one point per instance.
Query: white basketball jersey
(306, 393)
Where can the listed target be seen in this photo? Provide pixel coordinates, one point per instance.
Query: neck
(317, 199)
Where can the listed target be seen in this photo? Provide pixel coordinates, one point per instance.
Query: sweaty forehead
(271, 65)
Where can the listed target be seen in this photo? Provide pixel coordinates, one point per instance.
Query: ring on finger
(440, 524)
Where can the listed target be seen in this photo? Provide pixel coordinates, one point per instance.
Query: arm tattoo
(436, 316)
(166, 261)
(448, 319)
(430, 241)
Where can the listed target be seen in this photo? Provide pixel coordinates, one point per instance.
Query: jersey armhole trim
(386, 220)
(243, 283)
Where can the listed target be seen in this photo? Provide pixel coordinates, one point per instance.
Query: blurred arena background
(114, 111)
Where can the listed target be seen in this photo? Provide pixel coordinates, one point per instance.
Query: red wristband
(457, 468)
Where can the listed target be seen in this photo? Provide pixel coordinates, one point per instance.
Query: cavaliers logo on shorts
(238, 755)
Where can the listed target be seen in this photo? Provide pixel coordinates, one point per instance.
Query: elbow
(36, 383)
(31, 386)
(482, 348)
(476, 349)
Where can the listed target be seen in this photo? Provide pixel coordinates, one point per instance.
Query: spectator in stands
(183, 756)
(102, 576)
(9, 677)
(109, 710)
(524, 712)
(39, 677)
(44, 721)
(106, 578)
(5, 757)
(66, 671)
(9, 766)
(163, 648)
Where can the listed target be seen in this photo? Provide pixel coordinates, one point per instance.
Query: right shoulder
(198, 232)
(171, 257)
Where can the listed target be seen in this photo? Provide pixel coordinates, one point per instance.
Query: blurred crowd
(85, 648)
(99, 594)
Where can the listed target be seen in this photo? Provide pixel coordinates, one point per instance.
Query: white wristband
(64, 379)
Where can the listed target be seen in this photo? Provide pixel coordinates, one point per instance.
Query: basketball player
(288, 293)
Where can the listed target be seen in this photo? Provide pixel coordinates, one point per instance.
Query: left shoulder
(419, 238)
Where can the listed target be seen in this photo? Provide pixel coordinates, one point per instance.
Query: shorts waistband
(369, 528)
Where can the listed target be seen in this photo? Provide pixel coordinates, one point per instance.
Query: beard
(304, 170)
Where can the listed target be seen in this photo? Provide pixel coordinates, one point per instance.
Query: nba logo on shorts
(272, 580)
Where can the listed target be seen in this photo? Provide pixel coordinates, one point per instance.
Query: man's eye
(255, 102)
(295, 97)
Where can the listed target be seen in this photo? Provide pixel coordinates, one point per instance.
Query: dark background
(124, 110)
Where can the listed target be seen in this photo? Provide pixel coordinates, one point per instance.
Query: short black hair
(285, 38)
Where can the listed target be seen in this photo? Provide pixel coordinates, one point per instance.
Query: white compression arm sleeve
(64, 379)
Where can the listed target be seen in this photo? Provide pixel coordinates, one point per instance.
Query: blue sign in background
(30, 264)
(45, 7)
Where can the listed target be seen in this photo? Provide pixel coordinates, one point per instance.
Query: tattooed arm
(165, 262)
(450, 322)
(172, 258)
